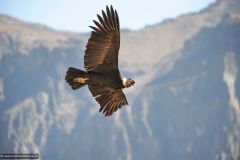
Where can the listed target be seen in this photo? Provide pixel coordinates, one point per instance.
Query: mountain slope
(185, 104)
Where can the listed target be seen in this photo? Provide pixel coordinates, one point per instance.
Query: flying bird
(102, 75)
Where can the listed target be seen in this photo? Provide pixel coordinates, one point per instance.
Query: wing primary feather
(102, 22)
(95, 29)
(103, 105)
(106, 20)
(117, 106)
(100, 26)
(113, 18)
(113, 107)
(110, 108)
(109, 17)
(105, 102)
(107, 108)
(117, 21)
(101, 108)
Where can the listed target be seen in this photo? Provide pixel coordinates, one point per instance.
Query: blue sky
(77, 15)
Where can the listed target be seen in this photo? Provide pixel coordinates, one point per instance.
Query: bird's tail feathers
(76, 78)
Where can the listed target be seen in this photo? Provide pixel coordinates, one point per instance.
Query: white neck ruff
(124, 81)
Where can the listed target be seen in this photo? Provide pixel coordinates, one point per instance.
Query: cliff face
(185, 104)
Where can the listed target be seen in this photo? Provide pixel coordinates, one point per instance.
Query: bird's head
(128, 82)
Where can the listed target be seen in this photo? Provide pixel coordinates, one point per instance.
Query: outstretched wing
(110, 99)
(101, 54)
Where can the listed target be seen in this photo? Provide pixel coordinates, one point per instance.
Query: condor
(102, 75)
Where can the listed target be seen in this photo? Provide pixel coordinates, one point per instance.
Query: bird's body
(105, 80)
(101, 63)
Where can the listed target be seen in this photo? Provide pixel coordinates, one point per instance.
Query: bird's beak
(133, 82)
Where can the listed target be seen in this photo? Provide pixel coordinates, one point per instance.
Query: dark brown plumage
(101, 64)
